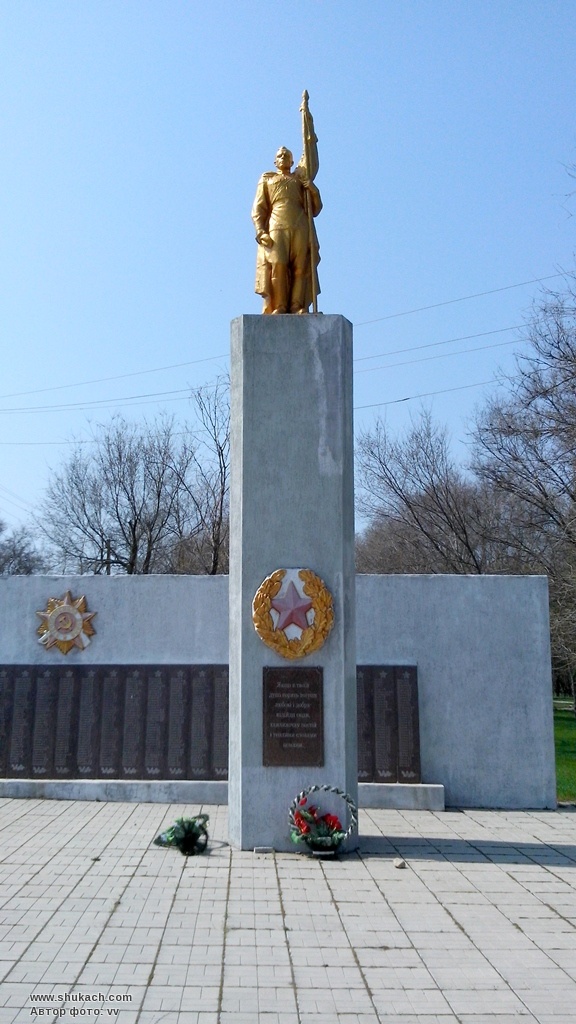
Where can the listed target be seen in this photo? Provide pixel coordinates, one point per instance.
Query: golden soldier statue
(286, 203)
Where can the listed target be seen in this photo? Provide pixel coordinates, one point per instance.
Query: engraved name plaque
(114, 721)
(134, 724)
(200, 723)
(156, 716)
(220, 726)
(293, 717)
(63, 765)
(408, 726)
(44, 724)
(365, 726)
(388, 725)
(385, 726)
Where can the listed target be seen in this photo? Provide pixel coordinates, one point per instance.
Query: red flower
(300, 823)
(333, 822)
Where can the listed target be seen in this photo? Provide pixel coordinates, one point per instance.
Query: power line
(105, 380)
(435, 344)
(13, 494)
(108, 403)
(96, 403)
(208, 359)
(464, 298)
(136, 399)
(357, 408)
(439, 355)
(426, 394)
(112, 402)
(182, 394)
(21, 503)
(36, 444)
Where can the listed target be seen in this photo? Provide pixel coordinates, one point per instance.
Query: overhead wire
(464, 298)
(181, 394)
(96, 402)
(159, 369)
(426, 394)
(224, 355)
(436, 344)
(106, 380)
(16, 500)
(439, 355)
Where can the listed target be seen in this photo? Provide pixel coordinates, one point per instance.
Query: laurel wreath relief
(314, 636)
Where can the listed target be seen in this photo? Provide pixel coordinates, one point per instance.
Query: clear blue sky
(133, 135)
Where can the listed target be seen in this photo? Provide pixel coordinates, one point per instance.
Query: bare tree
(144, 498)
(514, 508)
(525, 450)
(525, 440)
(425, 514)
(19, 555)
(202, 544)
(115, 507)
(563, 624)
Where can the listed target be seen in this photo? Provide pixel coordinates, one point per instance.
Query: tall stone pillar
(291, 506)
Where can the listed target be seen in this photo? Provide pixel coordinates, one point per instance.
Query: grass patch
(565, 739)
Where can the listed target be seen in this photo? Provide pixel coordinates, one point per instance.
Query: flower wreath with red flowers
(321, 833)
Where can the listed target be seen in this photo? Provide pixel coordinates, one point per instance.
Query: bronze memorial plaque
(293, 717)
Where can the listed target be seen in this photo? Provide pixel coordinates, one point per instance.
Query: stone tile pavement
(97, 925)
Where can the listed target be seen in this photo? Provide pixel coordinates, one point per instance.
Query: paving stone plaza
(480, 925)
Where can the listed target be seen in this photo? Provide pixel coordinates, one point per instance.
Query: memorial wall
(114, 722)
(454, 685)
(170, 722)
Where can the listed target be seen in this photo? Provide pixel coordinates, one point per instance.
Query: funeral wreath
(189, 835)
(322, 833)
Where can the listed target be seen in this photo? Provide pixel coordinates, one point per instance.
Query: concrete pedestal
(291, 506)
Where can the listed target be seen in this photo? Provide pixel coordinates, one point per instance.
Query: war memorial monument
(396, 691)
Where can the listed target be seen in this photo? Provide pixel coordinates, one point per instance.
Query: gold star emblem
(66, 623)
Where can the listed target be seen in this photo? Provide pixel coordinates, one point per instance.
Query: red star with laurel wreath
(292, 608)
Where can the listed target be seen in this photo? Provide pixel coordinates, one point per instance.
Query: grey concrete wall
(481, 644)
(140, 620)
(291, 506)
(482, 648)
